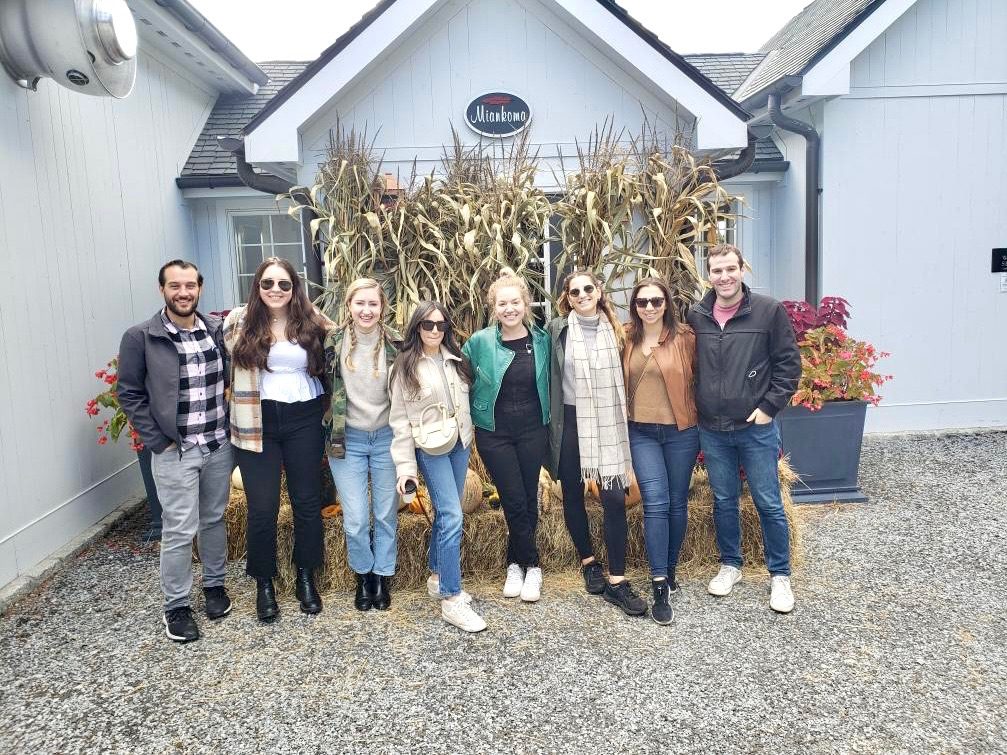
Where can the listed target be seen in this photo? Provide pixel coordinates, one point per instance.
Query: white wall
(468, 48)
(914, 177)
(754, 229)
(88, 213)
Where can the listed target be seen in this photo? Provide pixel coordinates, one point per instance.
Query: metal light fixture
(88, 46)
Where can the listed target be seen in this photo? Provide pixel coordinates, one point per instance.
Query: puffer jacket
(752, 363)
(408, 407)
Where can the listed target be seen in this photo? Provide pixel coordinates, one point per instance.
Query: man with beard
(172, 377)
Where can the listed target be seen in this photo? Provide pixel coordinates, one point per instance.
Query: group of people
(277, 387)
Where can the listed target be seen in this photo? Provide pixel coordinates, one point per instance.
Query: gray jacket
(149, 379)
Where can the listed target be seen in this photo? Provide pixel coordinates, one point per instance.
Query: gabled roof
(210, 166)
(804, 40)
(727, 70)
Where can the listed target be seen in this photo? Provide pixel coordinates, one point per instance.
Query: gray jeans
(193, 492)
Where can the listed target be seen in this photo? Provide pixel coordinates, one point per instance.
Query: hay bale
(484, 540)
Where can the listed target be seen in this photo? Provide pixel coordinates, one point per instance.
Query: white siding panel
(88, 212)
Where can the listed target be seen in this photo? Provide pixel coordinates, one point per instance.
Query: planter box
(824, 449)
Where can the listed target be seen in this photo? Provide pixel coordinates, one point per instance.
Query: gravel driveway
(896, 645)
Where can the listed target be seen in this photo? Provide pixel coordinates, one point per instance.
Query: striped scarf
(601, 406)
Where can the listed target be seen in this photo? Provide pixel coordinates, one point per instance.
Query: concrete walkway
(898, 644)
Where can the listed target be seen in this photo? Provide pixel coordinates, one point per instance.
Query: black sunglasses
(588, 289)
(266, 284)
(429, 325)
(655, 301)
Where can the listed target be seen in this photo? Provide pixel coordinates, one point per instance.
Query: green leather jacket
(490, 359)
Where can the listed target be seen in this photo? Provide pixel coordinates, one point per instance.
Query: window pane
(292, 252)
(244, 283)
(286, 230)
(252, 229)
(249, 258)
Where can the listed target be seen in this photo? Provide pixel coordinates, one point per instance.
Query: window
(727, 233)
(257, 237)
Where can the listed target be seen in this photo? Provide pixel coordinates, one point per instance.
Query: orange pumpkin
(332, 511)
(632, 498)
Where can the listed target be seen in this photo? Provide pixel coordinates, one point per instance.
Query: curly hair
(509, 279)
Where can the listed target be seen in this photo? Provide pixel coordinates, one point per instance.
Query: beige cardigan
(407, 408)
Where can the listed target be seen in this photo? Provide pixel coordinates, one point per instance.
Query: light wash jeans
(445, 478)
(756, 448)
(193, 492)
(368, 457)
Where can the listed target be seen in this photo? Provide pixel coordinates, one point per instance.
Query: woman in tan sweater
(657, 365)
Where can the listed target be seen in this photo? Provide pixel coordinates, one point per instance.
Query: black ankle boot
(382, 595)
(311, 601)
(662, 612)
(265, 600)
(363, 600)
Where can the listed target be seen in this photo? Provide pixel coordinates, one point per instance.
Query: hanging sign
(498, 114)
(999, 261)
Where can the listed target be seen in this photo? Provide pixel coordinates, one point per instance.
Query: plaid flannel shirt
(202, 411)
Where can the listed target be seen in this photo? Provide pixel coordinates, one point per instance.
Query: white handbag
(440, 435)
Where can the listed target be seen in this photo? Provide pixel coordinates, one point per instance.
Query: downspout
(740, 164)
(812, 252)
(273, 185)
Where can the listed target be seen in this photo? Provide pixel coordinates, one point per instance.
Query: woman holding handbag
(358, 358)
(657, 366)
(588, 435)
(277, 401)
(510, 411)
(432, 431)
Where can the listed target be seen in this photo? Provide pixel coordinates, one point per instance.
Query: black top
(518, 397)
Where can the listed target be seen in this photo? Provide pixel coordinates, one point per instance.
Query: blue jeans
(663, 460)
(757, 449)
(368, 455)
(445, 479)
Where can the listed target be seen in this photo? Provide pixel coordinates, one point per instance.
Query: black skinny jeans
(613, 502)
(513, 455)
(291, 439)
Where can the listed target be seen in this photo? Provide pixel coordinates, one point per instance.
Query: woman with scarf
(589, 440)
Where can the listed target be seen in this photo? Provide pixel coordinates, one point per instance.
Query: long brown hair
(670, 320)
(304, 325)
(604, 303)
(412, 346)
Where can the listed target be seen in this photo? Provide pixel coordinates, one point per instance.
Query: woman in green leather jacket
(510, 410)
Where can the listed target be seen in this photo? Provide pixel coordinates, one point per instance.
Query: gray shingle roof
(229, 116)
(727, 70)
(806, 36)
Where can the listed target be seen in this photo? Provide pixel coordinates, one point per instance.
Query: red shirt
(723, 314)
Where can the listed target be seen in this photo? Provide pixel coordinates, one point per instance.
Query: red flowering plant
(113, 426)
(834, 366)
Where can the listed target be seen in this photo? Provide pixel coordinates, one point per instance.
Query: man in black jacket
(172, 378)
(747, 368)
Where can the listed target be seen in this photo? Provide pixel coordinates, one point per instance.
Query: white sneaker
(434, 589)
(531, 590)
(514, 581)
(724, 582)
(781, 597)
(456, 611)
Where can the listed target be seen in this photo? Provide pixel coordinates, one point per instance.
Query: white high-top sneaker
(513, 583)
(724, 582)
(781, 597)
(455, 610)
(531, 591)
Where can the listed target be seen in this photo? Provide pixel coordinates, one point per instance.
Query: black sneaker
(672, 582)
(594, 577)
(218, 603)
(179, 625)
(623, 595)
(662, 612)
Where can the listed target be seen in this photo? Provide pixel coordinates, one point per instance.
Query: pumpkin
(472, 496)
(632, 498)
(332, 511)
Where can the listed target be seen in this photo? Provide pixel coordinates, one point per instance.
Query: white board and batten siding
(468, 48)
(914, 186)
(88, 213)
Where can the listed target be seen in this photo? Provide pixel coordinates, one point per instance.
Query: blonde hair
(564, 307)
(359, 285)
(509, 279)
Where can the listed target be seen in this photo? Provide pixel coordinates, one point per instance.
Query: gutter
(812, 192)
(197, 23)
(740, 164)
(273, 185)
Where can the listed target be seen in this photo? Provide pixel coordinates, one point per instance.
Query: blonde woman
(588, 435)
(358, 359)
(510, 411)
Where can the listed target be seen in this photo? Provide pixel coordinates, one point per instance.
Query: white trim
(226, 192)
(831, 75)
(928, 90)
(751, 178)
(277, 139)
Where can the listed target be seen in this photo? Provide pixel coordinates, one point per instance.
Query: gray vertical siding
(88, 212)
